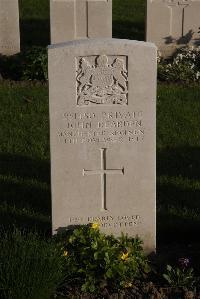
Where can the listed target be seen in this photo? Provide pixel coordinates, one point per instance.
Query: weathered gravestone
(102, 128)
(9, 27)
(76, 19)
(172, 24)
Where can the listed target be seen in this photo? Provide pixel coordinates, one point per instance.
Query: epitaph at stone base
(102, 131)
(9, 27)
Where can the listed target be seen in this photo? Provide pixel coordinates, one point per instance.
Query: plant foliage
(184, 66)
(177, 277)
(95, 261)
(30, 64)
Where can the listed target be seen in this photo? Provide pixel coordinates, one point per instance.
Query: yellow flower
(128, 285)
(95, 225)
(65, 253)
(124, 256)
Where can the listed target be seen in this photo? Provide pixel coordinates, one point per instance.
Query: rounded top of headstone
(102, 41)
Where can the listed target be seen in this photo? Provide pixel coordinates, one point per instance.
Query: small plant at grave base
(180, 276)
(95, 261)
(30, 64)
(35, 64)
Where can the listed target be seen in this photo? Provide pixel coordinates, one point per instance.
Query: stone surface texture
(76, 19)
(102, 132)
(9, 27)
(172, 24)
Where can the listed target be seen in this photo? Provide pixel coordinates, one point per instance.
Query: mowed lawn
(25, 165)
(25, 199)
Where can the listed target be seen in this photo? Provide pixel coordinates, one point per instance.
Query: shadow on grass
(25, 192)
(35, 32)
(178, 194)
(184, 161)
(12, 219)
(128, 30)
(26, 200)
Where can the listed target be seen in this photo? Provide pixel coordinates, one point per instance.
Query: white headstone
(102, 131)
(172, 24)
(76, 19)
(9, 27)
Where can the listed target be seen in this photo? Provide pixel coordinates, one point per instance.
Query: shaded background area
(34, 22)
(128, 21)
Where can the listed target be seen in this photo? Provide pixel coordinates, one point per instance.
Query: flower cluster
(183, 262)
(184, 67)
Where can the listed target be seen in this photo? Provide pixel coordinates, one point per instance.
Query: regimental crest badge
(102, 80)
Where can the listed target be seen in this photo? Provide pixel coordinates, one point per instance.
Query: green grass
(129, 19)
(24, 156)
(178, 163)
(25, 166)
(31, 267)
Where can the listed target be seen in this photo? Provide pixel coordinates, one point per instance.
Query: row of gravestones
(170, 23)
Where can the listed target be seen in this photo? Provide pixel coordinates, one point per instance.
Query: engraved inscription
(103, 172)
(121, 221)
(102, 80)
(102, 127)
(4, 45)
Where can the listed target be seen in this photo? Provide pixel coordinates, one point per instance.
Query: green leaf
(96, 254)
(169, 268)
(109, 273)
(167, 278)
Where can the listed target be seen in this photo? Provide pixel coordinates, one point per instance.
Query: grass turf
(178, 162)
(24, 156)
(25, 166)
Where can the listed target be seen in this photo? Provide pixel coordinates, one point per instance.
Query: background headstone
(172, 24)
(76, 19)
(102, 128)
(9, 27)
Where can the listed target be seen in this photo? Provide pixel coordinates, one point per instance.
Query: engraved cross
(177, 16)
(103, 172)
(179, 2)
(81, 27)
